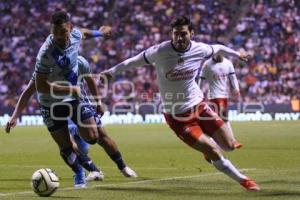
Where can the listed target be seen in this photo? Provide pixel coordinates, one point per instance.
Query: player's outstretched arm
(22, 103)
(104, 31)
(43, 86)
(223, 50)
(135, 61)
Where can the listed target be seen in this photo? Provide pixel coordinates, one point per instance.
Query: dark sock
(86, 162)
(117, 158)
(71, 159)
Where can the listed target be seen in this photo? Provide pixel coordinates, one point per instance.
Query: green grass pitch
(167, 168)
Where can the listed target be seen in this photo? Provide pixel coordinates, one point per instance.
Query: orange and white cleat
(250, 185)
(237, 145)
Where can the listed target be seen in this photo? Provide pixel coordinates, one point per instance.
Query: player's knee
(92, 137)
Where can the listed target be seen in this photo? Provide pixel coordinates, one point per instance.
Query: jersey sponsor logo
(181, 74)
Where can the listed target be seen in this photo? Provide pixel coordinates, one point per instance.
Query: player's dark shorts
(57, 116)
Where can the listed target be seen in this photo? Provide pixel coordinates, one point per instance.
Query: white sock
(225, 166)
(230, 130)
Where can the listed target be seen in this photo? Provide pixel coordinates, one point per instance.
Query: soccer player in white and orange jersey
(219, 72)
(177, 63)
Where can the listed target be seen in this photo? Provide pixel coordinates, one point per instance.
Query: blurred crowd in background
(268, 30)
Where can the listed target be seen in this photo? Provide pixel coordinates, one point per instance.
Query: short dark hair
(182, 21)
(59, 18)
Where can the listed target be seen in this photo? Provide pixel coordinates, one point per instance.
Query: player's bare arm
(22, 103)
(104, 31)
(135, 61)
(223, 50)
(44, 86)
(91, 83)
(235, 91)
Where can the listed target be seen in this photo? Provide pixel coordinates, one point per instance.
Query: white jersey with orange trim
(220, 77)
(176, 72)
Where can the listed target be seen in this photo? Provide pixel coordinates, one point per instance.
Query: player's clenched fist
(244, 56)
(106, 31)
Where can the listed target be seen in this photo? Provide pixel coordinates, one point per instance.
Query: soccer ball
(44, 182)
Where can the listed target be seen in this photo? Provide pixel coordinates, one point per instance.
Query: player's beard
(182, 45)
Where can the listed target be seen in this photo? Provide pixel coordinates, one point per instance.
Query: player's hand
(76, 91)
(236, 95)
(106, 31)
(10, 124)
(244, 56)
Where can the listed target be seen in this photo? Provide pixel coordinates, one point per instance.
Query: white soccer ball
(44, 182)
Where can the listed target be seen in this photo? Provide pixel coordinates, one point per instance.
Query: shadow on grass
(134, 189)
(51, 197)
(211, 189)
(15, 180)
(281, 182)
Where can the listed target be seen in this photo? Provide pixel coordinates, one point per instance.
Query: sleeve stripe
(231, 73)
(212, 52)
(145, 58)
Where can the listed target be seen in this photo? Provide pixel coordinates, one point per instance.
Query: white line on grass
(129, 183)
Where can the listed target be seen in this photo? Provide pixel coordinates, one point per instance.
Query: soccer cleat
(95, 176)
(237, 145)
(249, 184)
(79, 179)
(128, 172)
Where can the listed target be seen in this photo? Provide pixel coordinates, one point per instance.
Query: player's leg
(82, 148)
(223, 138)
(206, 146)
(214, 126)
(95, 174)
(62, 138)
(111, 149)
(220, 106)
(191, 133)
(87, 127)
(237, 144)
(83, 116)
(60, 134)
(223, 109)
